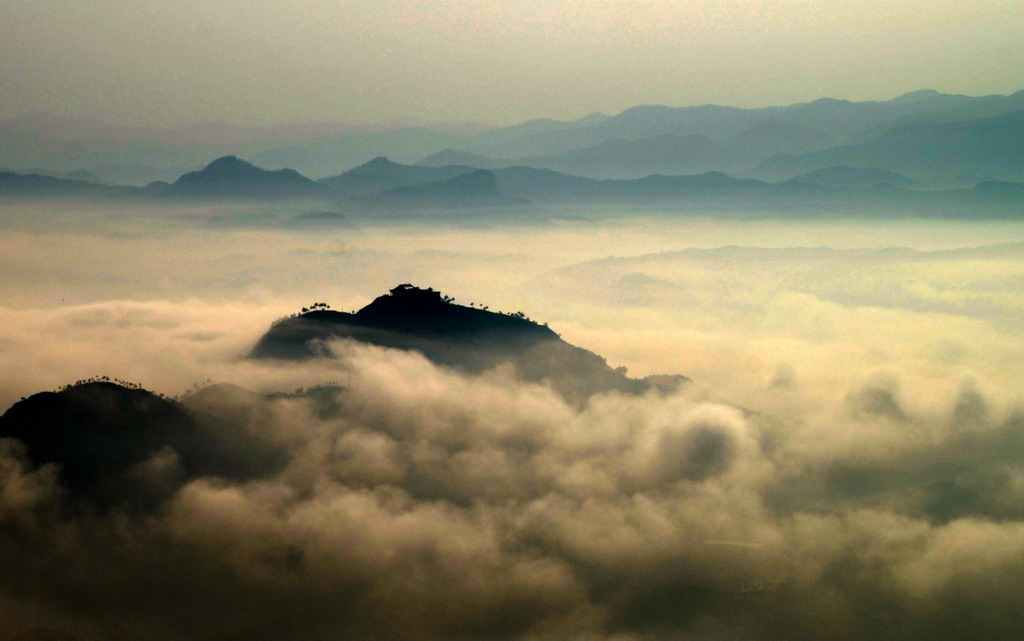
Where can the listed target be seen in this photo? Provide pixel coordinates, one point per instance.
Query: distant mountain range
(773, 143)
(382, 185)
(989, 147)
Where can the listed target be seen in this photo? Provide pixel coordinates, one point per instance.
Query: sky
(494, 62)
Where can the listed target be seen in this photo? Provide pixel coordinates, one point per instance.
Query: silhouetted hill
(370, 179)
(119, 446)
(474, 189)
(465, 338)
(231, 178)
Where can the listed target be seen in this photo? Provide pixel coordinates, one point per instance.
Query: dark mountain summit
(232, 178)
(119, 446)
(406, 314)
(464, 338)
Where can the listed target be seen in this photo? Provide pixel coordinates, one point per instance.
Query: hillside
(125, 447)
(230, 178)
(465, 338)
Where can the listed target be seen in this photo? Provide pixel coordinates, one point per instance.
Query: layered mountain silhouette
(465, 338)
(124, 447)
(382, 184)
(620, 158)
(921, 152)
(231, 178)
(844, 177)
(474, 189)
(528, 183)
(721, 138)
(18, 185)
(992, 147)
(447, 157)
(379, 174)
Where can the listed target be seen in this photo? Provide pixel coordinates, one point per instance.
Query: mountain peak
(915, 96)
(229, 164)
(232, 177)
(470, 338)
(380, 165)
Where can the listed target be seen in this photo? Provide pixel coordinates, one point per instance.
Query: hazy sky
(493, 61)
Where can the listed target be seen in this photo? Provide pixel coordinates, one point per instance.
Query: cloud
(839, 469)
(433, 504)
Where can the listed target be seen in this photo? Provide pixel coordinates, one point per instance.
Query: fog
(846, 463)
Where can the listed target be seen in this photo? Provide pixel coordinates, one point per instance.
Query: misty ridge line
(903, 152)
(845, 462)
(476, 191)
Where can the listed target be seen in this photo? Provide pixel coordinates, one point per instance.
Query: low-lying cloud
(435, 505)
(848, 463)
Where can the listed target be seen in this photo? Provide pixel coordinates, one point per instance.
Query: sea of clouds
(848, 462)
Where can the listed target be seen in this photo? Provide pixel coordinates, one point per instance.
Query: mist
(846, 461)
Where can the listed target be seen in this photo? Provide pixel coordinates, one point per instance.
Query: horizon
(410, 121)
(500, 63)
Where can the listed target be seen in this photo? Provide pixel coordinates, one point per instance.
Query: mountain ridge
(468, 339)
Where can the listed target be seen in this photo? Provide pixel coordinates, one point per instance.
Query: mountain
(370, 179)
(121, 446)
(15, 185)
(232, 178)
(474, 189)
(324, 155)
(955, 109)
(452, 335)
(811, 125)
(773, 136)
(619, 158)
(990, 147)
(854, 177)
(463, 158)
(745, 137)
(410, 182)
